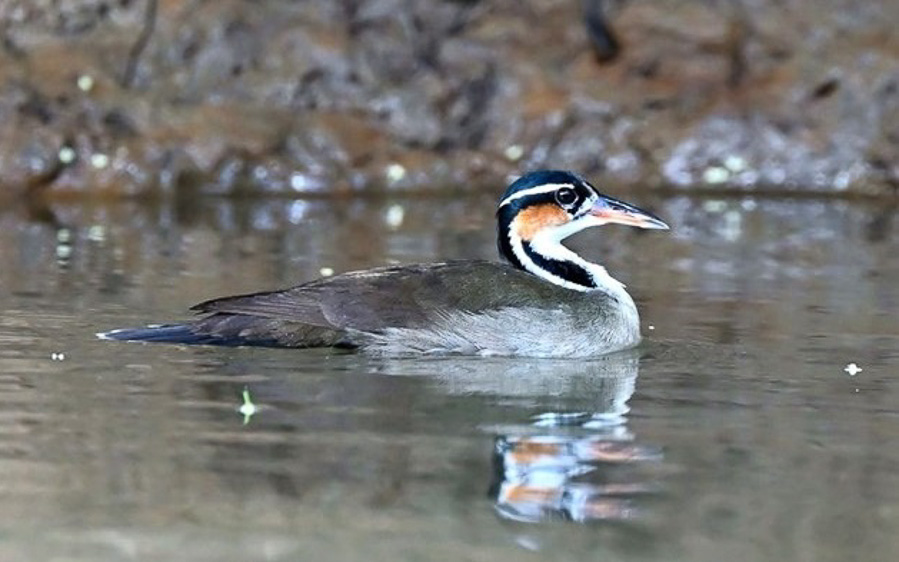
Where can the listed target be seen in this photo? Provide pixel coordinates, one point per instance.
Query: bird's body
(468, 307)
(546, 302)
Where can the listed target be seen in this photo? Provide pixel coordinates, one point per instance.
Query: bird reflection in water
(581, 466)
(576, 461)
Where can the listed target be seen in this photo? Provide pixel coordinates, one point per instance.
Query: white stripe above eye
(542, 188)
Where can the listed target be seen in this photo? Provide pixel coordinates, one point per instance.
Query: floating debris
(326, 271)
(852, 369)
(651, 327)
(58, 356)
(247, 408)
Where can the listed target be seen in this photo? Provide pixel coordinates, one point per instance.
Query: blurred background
(125, 97)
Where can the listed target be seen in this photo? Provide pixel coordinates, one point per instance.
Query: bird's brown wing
(402, 296)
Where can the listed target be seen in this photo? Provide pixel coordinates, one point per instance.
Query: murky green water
(733, 433)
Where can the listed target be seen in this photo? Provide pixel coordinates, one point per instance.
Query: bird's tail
(219, 329)
(165, 333)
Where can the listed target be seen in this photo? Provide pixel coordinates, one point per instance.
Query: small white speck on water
(66, 155)
(85, 82)
(395, 215)
(326, 271)
(395, 172)
(514, 152)
(99, 160)
(58, 356)
(247, 409)
(63, 235)
(63, 251)
(852, 369)
(651, 327)
(139, 367)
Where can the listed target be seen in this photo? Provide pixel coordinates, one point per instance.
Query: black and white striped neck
(545, 257)
(557, 268)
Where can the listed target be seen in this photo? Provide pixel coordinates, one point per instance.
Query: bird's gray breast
(503, 311)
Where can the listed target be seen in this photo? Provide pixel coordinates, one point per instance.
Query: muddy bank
(145, 97)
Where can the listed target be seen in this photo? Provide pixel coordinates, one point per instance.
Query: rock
(154, 97)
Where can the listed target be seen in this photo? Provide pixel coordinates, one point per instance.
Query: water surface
(733, 432)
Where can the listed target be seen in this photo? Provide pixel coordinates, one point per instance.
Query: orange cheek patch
(532, 220)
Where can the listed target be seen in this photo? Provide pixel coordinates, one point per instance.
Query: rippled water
(732, 433)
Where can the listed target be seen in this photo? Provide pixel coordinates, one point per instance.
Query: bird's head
(542, 208)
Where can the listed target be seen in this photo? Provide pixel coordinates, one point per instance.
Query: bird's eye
(566, 196)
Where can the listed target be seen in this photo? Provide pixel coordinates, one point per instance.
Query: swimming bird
(543, 300)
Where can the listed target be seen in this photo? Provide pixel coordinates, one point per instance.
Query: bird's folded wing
(403, 296)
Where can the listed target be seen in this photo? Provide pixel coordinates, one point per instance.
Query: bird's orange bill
(611, 210)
